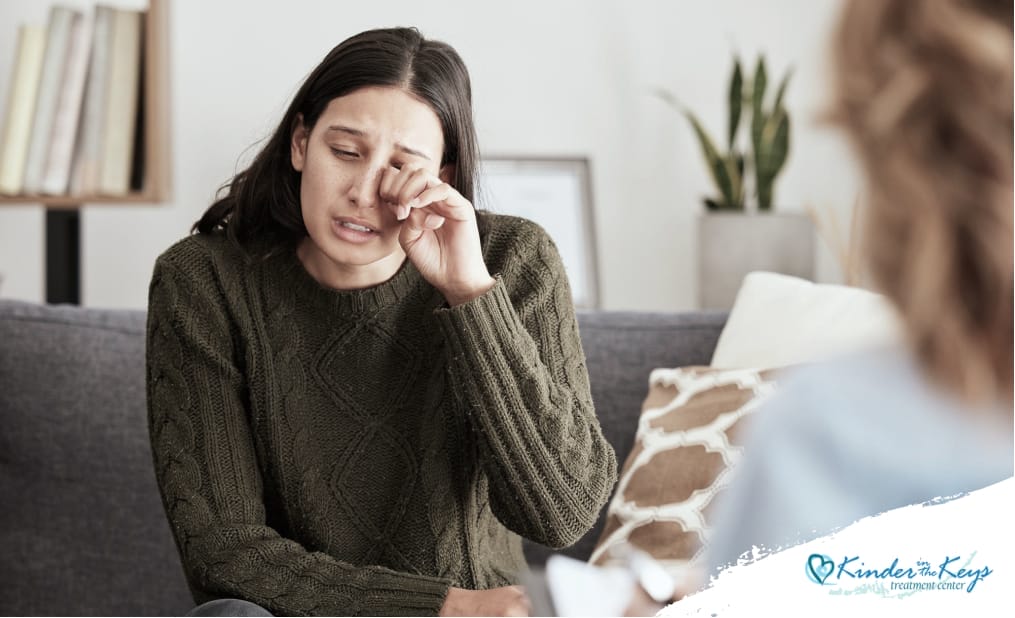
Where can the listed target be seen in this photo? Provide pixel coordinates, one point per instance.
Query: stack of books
(72, 125)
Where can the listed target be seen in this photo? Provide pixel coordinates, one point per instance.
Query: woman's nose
(365, 190)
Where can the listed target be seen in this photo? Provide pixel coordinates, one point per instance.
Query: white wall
(549, 77)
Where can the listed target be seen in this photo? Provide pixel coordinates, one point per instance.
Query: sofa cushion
(687, 445)
(82, 527)
(779, 320)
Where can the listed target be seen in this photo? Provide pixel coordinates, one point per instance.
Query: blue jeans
(229, 607)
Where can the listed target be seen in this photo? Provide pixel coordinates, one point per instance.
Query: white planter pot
(730, 245)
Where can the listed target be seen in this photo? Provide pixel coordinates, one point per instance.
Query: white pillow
(779, 320)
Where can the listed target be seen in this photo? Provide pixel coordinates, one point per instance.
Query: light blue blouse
(850, 438)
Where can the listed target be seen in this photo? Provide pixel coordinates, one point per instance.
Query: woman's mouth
(353, 232)
(353, 226)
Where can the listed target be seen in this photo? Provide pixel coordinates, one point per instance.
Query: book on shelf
(54, 63)
(20, 107)
(121, 104)
(56, 173)
(85, 173)
(137, 162)
(74, 119)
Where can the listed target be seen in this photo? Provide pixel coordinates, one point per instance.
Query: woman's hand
(439, 232)
(506, 601)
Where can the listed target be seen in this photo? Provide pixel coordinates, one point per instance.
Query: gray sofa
(82, 528)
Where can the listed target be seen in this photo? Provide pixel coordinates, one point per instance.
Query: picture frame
(556, 193)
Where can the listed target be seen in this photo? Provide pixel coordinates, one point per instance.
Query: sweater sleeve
(517, 365)
(207, 472)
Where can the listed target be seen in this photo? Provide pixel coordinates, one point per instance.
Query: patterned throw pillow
(686, 447)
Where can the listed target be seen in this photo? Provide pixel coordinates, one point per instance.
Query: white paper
(580, 589)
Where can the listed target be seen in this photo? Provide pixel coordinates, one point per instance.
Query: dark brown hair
(924, 91)
(262, 202)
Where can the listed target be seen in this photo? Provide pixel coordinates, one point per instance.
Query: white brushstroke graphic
(945, 557)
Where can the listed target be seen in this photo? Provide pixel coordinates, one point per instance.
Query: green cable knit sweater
(358, 452)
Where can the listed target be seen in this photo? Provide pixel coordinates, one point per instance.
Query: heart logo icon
(819, 568)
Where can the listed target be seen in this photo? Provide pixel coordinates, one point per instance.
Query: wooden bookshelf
(156, 176)
(63, 211)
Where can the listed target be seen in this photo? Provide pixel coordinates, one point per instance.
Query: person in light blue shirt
(854, 438)
(923, 90)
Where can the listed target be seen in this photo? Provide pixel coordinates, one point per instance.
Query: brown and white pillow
(685, 450)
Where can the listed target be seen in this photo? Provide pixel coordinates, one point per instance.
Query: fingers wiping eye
(436, 193)
(394, 182)
(388, 179)
(413, 186)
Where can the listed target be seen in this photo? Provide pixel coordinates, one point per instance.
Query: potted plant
(739, 232)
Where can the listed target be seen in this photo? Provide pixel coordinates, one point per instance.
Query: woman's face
(353, 235)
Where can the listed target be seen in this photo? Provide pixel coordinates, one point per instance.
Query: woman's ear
(447, 173)
(298, 143)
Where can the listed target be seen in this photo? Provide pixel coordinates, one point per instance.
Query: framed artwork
(556, 193)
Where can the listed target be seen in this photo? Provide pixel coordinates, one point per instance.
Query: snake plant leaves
(735, 163)
(711, 204)
(769, 138)
(736, 100)
(726, 173)
(758, 86)
(723, 170)
(771, 156)
(782, 89)
(780, 143)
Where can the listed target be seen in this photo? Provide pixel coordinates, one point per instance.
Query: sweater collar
(404, 284)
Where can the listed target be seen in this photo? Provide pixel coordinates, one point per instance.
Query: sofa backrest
(82, 526)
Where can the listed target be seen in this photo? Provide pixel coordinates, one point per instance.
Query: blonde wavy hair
(923, 88)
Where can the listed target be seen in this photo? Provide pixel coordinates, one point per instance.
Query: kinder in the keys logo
(852, 576)
(819, 567)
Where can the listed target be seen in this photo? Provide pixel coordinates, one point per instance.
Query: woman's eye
(338, 152)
